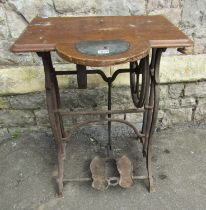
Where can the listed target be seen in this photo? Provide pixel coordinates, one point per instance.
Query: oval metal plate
(103, 47)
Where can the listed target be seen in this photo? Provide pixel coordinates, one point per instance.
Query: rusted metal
(96, 71)
(102, 170)
(81, 76)
(109, 123)
(82, 124)
(138, 91)
(56, 113)
(53, 102)
(64, 112)
(145, 95)
(150, 117)
(87, 179)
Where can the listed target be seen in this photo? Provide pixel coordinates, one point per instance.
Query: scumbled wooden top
(44, 34)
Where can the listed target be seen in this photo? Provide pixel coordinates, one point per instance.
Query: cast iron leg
(109, 144)
(53, 102)
(150, 116)
(148, 139)
(61, 157)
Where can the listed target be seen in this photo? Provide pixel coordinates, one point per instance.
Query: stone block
(199, 37)
(26, 79)
(199, 45)
(75, 6)
(172, 14)
(20, 80)
(136, 7)
(29, 9)
(122, 7)
(4, 103)
(169, 104)
(176, 91)
(201, 101)
(7, 57)
(4, 134)
(182, 68)
(121, 97)
(96, 98)
(194, 13)
(163, 120)
(195, 89)
(171, 117)
(187, 102)
(92, 97)
(164, 91)
(199, 32)
(176, 3)
(85, 98)
(69, 99)
(200, 113)
(158, 4)
(4, 32)
(42, 118)
(16, 23)
(173, 69)
(16, 132)
(28, 101)
(21, 118)
(179, 116)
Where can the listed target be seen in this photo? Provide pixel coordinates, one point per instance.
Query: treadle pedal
(125, 168)
(111, 172)
(97, 168)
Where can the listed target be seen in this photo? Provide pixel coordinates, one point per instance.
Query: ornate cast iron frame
(145, 97)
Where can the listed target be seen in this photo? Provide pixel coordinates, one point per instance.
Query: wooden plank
(43, 34)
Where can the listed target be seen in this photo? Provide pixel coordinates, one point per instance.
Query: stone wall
(188, 15)
(180, 104)
(22, 97)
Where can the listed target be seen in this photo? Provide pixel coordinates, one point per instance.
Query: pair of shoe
(101, 182)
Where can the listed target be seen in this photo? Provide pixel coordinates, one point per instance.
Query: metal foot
(151, 185)
(60, 187)
(149, 168)
(61, 157)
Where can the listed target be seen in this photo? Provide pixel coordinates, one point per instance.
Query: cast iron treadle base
(145, 96)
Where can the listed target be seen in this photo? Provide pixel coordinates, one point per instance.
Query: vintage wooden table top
(61, 34)
(42, 34)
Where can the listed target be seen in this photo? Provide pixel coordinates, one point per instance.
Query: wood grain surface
(138, 49)
(43, 34)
